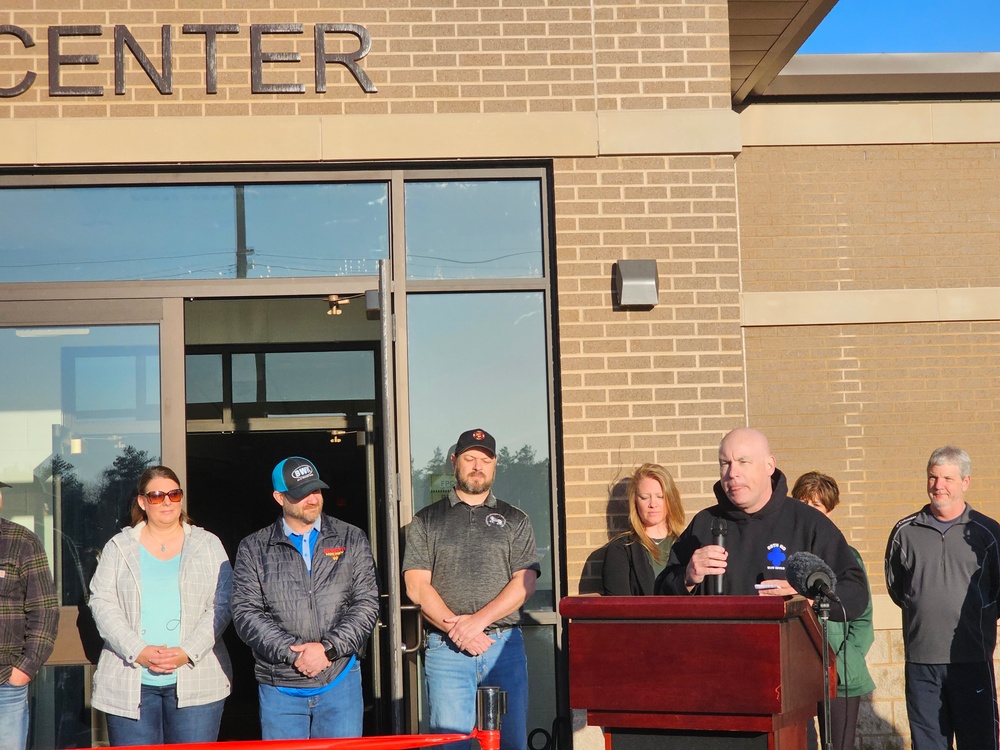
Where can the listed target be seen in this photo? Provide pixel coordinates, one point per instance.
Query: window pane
(486, 367)
(112, 234)
(320, 376)
(78, 425)
(474, 230)
(169, 232)
(203, 378)
(317, 230)
(245, 379)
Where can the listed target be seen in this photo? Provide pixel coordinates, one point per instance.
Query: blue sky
(855, 26)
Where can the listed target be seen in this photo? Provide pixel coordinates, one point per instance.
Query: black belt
(500, 629)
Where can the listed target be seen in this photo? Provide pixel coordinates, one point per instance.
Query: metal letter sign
(163, 79)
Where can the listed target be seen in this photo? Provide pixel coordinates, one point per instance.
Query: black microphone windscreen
(719, 527)
(801, 569)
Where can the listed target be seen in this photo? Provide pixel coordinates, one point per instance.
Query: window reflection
(192, 232)
(317, 230)
(78, 424)
(478, 360)
(74, 437)
(112, 234)
(271, 377)
(474, 230)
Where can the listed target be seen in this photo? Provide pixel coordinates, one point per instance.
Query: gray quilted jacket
(278, 604)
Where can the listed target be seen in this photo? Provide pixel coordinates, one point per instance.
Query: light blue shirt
(303, 543)
(161, 608)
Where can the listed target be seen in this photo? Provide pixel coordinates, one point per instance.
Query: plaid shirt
(29, 611)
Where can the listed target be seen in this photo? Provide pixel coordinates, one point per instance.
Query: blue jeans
(453, 678)
(13, 716)
(339, 712)
(160, 722)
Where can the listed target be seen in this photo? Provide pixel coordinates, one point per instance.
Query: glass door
(268, 378)
(81, 416)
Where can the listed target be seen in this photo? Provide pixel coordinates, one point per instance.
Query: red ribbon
(488, 739)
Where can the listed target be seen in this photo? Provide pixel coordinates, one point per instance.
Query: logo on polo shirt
(776, 556)
(495, 519)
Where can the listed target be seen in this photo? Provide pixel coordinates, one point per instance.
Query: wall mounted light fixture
(336, 301)
(636, 283)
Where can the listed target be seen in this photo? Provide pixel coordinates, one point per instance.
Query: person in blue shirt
(305, 600)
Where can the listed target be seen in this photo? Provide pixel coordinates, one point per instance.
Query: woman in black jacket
(634, 559)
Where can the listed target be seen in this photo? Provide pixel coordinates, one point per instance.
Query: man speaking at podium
(760, 528)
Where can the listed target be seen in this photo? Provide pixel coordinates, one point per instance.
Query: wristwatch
(331, 652)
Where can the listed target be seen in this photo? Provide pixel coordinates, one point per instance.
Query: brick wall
(869, 217)
(431, 58)
(661, 385)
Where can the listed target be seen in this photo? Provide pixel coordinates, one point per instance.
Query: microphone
(811, 576)
(719, 531)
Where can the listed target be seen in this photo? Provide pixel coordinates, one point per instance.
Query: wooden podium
(696, 672)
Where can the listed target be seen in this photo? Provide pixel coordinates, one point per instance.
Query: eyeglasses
(156, 497)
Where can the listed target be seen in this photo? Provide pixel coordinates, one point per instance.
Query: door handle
(405, 647)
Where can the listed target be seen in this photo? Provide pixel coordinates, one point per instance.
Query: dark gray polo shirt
(472, 552)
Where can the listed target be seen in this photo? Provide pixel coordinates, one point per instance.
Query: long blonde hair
(672, 501)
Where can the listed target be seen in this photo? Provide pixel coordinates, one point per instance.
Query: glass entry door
(81, 416)
(271, 378)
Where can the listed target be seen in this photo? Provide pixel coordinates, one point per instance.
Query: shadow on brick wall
(616, 519)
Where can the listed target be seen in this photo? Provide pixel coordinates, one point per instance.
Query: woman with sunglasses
(164, 673)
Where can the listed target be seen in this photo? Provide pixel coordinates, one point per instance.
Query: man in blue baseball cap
(305, 600)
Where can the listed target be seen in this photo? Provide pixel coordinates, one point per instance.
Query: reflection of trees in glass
(92, 514)
(117, 486)
(73, 528)
(521, 480)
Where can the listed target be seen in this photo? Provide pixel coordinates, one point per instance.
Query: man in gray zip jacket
(942, 568)
(305, 600)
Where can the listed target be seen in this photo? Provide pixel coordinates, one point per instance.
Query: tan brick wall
(869, 217)
(660, 385)
(516, 56)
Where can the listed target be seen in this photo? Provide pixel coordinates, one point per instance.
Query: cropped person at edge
(850, 641)
(29, 619)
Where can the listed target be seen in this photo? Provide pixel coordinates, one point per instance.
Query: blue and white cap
(297, 477)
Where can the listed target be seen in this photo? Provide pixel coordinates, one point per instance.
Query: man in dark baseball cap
(477, 438)
(471, 563)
